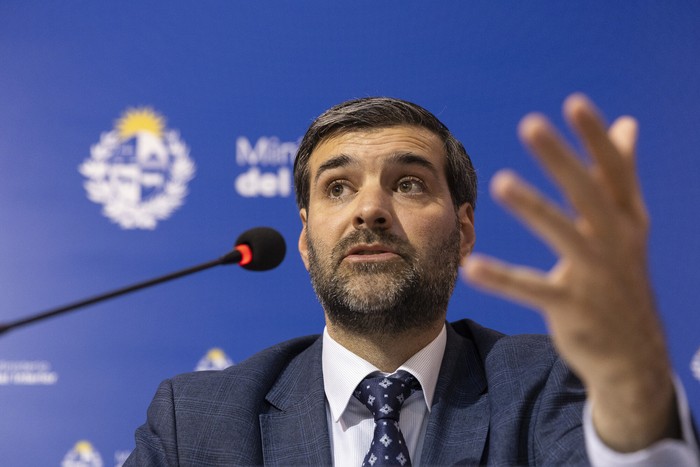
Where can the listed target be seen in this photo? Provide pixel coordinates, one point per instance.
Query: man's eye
(410, 186)
(336, 189)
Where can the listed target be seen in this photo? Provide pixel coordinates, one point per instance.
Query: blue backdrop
(137, 138)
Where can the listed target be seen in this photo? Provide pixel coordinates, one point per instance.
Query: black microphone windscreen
(267, 245)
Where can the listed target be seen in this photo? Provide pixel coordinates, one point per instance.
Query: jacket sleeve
(156, 440)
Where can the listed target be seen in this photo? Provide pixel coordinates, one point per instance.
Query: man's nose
(373, 209)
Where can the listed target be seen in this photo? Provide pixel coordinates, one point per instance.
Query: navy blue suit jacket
(499, 400)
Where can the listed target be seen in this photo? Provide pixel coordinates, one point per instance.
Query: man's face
(381, 238)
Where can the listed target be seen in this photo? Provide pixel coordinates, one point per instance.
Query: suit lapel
(295, 429)
(459, 419)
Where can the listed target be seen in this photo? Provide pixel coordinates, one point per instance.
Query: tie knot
(384, 395)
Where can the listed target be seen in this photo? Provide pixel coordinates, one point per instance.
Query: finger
(546, 220)
(613, 167)
(521, 284)
(568, 172)
(623, 133)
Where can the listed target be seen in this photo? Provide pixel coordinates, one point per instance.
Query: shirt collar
(343, 371)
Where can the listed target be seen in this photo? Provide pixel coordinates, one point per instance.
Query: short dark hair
(383, 112)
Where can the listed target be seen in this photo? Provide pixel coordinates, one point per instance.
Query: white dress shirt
(351, 425)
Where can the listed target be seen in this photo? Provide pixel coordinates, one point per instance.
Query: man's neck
(386, 352)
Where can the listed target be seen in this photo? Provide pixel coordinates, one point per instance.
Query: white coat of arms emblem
(138, 171)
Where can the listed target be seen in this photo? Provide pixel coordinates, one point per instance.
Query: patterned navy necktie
(384, 396)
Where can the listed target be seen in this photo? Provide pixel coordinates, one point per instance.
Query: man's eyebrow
(410, 158)
(402, 158)
(341, 160)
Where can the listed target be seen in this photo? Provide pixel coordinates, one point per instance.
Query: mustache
(367, 236)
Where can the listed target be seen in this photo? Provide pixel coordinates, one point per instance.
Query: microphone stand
(232, 257)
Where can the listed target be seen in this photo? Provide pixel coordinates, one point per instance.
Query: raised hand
(597, 300)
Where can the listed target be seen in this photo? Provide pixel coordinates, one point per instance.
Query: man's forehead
(378, 142)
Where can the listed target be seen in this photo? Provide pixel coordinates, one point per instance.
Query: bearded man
(386, 197)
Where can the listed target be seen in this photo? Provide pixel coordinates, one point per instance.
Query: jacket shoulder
(502, 352)
(211, 417)
(255, 375)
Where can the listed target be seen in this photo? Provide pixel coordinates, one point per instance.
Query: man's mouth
(361, 253)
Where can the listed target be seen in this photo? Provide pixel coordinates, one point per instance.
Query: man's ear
(303, 245)
(467, 234)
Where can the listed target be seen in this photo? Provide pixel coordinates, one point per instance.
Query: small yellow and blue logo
(83, 454)
(215, 359)
(695, 365)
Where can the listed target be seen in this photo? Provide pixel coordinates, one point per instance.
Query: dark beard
(387, 297)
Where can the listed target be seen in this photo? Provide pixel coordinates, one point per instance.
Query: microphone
(258, 249)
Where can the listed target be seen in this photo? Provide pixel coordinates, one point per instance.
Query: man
(386, 198)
